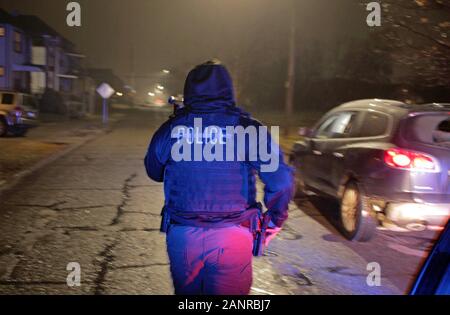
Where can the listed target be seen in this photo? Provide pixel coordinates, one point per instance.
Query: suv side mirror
(305, 132)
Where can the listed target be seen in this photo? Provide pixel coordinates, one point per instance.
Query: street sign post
(105, 91)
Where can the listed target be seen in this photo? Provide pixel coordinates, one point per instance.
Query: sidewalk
(54, 136)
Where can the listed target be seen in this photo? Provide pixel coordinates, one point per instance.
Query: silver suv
(383, 160)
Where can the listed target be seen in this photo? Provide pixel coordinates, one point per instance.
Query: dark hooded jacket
(214, 193)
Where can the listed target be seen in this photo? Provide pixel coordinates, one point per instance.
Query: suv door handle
(338, 155)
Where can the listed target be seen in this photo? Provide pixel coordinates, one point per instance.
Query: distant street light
(160, 87)
(166, 71)
(151, 94)
(119, 94)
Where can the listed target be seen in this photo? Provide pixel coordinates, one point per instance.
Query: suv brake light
(410, 160)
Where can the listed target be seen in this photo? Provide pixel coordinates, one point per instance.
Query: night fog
(224, 147)
(252, 37)
(333, 45)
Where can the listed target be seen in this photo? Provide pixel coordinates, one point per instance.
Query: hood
(209, 86)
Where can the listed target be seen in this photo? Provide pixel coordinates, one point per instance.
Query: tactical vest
(215, 189)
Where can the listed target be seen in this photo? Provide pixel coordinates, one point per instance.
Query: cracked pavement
(96, 206)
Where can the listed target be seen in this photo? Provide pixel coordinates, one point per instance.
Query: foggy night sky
(178, 33)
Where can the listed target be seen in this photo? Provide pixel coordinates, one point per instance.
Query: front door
(329, 138)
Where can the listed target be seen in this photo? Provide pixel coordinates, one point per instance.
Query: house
(34, 58)
(63, 67)
(54, 54)
(16, 69)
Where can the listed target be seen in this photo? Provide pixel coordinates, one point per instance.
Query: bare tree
(417, 33)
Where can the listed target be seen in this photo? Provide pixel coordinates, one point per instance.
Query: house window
(2, 31)
(2, 71)
(17, 42)
(7, 99)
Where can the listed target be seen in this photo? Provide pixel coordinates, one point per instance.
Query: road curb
(16, 178)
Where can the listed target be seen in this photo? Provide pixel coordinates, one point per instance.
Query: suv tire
(357, 222)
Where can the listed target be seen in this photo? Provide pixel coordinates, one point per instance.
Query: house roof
(36, 27)
(7, 18)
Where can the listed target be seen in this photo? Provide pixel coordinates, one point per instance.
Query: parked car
(18, 112)
(382, 160)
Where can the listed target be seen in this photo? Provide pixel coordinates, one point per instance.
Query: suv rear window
(7, 98)
(429, 129)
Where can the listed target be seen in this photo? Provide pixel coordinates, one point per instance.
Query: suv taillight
(410, 160)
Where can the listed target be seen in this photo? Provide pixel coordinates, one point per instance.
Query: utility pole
(132, 66)
(130, 12)
(290, 82)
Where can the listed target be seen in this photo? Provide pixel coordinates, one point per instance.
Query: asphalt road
(96, 207)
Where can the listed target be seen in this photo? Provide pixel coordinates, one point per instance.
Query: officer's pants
(210, 261)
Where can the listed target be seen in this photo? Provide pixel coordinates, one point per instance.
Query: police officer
(210, 206)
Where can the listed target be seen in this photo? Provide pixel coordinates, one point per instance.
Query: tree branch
(435, 40)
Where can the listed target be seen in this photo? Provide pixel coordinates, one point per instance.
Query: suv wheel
(3, 127)
(355, 215)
